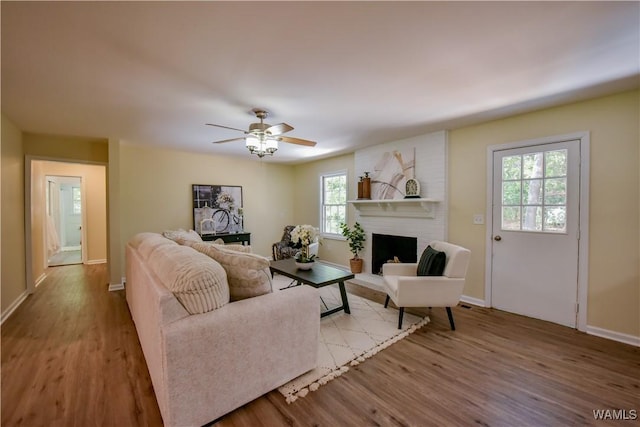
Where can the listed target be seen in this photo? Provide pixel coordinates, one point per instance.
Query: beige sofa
(203, 366)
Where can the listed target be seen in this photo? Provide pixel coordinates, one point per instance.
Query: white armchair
(407, 289)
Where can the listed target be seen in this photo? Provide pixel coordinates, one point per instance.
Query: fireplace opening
(385, 247)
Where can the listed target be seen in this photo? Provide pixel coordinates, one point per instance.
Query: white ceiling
(345, 74)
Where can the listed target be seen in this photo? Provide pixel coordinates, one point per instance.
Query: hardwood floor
(70, 357)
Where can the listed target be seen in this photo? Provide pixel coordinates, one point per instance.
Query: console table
(242, 238)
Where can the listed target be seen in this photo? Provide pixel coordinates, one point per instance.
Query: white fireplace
(424, 218)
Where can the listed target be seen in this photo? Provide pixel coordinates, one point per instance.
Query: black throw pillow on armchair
(431, 263)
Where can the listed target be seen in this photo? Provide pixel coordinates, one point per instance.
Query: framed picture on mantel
(217, 209)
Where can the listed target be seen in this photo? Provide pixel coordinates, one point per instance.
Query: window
(534, 192)
(77, 200)
(334, 202)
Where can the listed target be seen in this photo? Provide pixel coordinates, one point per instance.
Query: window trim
(323, 233)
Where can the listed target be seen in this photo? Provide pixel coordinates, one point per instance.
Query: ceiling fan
(262, 138)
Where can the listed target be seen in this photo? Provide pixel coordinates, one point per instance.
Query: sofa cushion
(230, 246)
(248, 274)
(147, 243)
(181, 236)
(198, 282)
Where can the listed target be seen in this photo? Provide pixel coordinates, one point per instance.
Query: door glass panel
(511, 167)
(532, 165)
(555, 163)
(534, 191)
(555, 191)
(511, 193)
(532, 218)
(555, 219)
(511, 218)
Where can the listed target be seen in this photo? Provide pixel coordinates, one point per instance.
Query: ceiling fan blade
(227, 140)
(297, 141)
(226, 127)
(279, 129)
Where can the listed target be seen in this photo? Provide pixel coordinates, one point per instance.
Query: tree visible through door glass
(534, 192)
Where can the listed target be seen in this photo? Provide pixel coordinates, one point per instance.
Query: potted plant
(304, 235)
(355, 237)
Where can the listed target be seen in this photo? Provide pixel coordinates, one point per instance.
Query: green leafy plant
(355, 236)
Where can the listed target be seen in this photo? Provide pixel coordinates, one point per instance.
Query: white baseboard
(40, 279)
(118, 286)
(70, 248)
(473, 301)
(9, 311)
(613, 335)
(96, 261)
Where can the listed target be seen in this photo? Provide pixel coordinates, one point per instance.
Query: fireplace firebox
(385, 247)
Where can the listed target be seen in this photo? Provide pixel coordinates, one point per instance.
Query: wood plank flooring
(71, 357)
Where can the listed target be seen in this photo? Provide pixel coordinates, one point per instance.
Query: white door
(534, 270)
(71, 209)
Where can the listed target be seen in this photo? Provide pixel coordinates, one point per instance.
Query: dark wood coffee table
(320, 275)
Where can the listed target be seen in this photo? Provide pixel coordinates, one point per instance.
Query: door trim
(28, 160)
(583, 221)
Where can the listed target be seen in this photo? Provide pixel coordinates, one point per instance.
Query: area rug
(347, 340)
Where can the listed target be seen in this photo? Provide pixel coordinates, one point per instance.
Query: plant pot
(305, 265)
(356, 265)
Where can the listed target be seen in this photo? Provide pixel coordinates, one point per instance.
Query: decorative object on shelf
(304, 235)
(217, 209)
(412, 189)
(366, 186)
(262, 139)
(355, 238)
(360, 188)
(391, 172)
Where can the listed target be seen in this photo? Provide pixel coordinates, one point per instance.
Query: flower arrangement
(225, 199)
(304, 235)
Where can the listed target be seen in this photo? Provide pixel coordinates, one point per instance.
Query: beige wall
(614, 229)
(94, 193)
(67, 147)
(155, 192)
(307, 201)
(12, 216)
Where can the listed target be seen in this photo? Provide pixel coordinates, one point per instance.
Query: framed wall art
(217, 209)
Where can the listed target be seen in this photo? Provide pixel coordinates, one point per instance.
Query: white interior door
(71, 215)
(536, 197)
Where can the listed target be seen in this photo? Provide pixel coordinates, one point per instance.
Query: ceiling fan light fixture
(271, 145)
(253, 143)
(262, 138)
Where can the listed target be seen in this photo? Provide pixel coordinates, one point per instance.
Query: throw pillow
(199, 283)
(248, 274)
(432, 262)
(181, 236)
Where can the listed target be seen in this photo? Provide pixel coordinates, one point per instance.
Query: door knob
(497, 238)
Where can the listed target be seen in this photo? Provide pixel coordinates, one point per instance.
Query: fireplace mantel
(412, 208)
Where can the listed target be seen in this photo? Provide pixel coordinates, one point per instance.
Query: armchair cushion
(431, 263)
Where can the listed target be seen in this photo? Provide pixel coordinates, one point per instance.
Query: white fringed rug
(347, 340)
